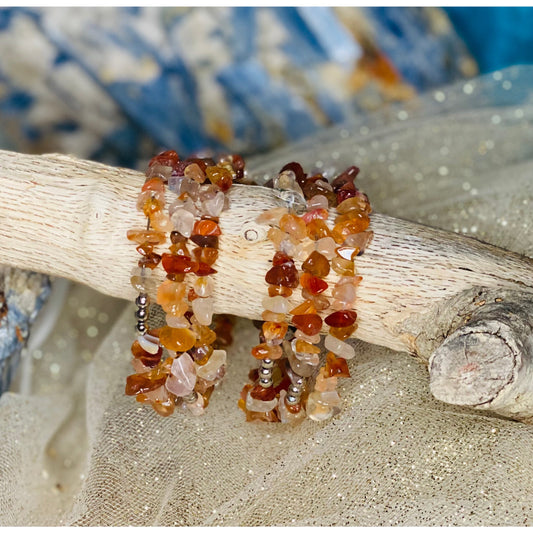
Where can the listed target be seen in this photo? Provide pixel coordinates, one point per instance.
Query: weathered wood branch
(424, 290)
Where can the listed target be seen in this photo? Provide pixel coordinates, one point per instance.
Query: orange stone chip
(206, 227)
(177, 339)
(316, 264)
(336, 366)
(308, 324)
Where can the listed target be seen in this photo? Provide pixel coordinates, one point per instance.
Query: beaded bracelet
(280, 392)
(193, 365)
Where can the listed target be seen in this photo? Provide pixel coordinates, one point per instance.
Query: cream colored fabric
(78, 452)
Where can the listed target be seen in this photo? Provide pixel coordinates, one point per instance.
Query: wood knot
(253, 233)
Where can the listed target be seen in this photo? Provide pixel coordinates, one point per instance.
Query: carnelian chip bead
(179, 249)
(285, 275)
(310, 324)
(317, 265)
(341, 319)
(293, 225)
(194, 172)
(143, 236)
(320, 301)
(177, 238)
(312, 283)
(269, 316)
(204, 270)
(141, 383)
(205, 255)
(220, 177)
(204, 335)
(307, 307)
(360, 240)
(315, 214)
(279, 290)
(177, 339)
(266, 351)
(145, 249)
(336, 366)
(261, 393)
(168, 158)
(276, 237)
(358, 203)
(280, 258)
(206, 227)
(274, 330)
(150, 260)
(355, 225)
(342, 333)
(154, 184)
(317, 229)
(149, 202)
(170, 294)
(271, 216)
(205, 241)
(342, 266)
(178, 264)
(201, 354)
(350, 215)
(344, 293)
(305, 347)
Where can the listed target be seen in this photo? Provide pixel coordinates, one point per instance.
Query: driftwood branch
(462, 305)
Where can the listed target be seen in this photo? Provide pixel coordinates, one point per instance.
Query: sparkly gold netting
(77, 451)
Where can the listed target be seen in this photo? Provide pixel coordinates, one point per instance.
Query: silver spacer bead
(265, 372)
(292, 400)
(142, 300)
(298, 381)
(294, 390)
(141, 313)
(267, 363)
(141, 327)
(266, 383)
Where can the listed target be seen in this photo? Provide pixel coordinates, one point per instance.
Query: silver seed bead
(141, 327)
(141, 313)
(266, 383)
(265, 372)
(299, 381)
(291, 400)
(267, 363)
(142, 300)
(294, 390)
